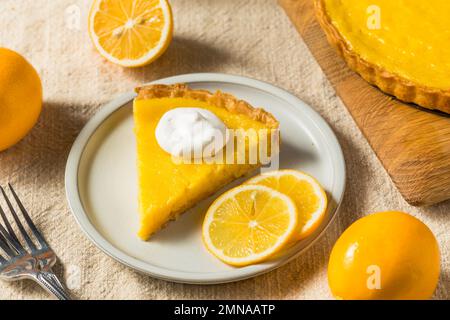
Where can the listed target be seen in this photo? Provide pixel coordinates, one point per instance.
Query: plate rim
(82, 219)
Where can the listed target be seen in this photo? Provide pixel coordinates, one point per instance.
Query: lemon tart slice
(402, 47)
(168, 187)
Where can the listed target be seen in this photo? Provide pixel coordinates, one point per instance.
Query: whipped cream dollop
(191, 132)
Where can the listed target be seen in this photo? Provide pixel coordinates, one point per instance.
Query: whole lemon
(20, 97)
(386, 255)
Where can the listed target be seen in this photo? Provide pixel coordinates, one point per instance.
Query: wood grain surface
(412, 143)
(252, 38)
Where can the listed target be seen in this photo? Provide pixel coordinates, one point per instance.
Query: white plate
(101, 183)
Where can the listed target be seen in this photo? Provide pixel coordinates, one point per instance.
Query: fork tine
(5, 247)
(8, 225)
(12, 242)
(32, 226)
(19, 224)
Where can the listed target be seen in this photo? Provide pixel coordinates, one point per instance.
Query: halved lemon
(304, 190)
(131, 33)
(249, 224)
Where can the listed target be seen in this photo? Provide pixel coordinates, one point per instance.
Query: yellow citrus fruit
(384, 256)
(249, 224)
(20, 97)
(131, 33)
(304, 190)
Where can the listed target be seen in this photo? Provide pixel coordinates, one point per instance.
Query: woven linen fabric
(252, 38)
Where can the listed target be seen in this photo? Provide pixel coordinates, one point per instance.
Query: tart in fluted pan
(402, 47)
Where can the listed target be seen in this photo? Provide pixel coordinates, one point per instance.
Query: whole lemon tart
(402, 47)
(168, 187)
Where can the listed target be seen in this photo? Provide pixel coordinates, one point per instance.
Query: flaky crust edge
(218, 99)
(402, 88)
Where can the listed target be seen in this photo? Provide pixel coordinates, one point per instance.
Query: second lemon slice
(249, 224)
(304, 190)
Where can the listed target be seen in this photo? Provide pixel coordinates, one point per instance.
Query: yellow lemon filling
(407, 38)
(168, 188)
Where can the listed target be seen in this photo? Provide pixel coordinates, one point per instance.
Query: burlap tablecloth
(252, 38)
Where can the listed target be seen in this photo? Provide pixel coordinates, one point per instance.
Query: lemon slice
(304, 190)
(249, 224)
(131, 33)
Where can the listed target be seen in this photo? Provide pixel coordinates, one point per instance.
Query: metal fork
(34, 262)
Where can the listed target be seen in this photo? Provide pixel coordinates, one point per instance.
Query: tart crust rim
(218, 99)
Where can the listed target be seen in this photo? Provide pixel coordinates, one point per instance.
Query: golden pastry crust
(388, 82)
(218, 99)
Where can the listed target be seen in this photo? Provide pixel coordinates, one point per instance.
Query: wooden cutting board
(412, 143)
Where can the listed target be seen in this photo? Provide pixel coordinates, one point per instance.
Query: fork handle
(51, 283)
